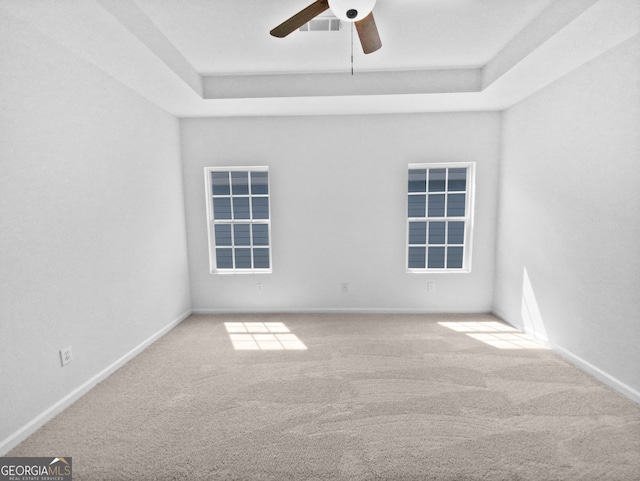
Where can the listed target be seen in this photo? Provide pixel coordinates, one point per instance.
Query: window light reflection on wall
(265, 336)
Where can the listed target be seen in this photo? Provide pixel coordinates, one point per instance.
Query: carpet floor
(372, 397)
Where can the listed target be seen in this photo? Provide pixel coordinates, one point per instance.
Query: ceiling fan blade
(300, 18)
(368, 33)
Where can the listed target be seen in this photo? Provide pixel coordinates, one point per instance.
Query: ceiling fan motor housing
(351, 10)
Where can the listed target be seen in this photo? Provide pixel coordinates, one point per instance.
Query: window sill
(438, 271)
(241, 271)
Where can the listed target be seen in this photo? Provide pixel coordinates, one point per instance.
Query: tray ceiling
(216, 57)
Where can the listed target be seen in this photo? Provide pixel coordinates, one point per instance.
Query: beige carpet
(374, 397)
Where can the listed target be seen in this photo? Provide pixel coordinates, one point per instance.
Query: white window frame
(211, 222)
(468, 218)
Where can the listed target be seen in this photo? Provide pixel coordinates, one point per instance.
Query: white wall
(570, 215)
(92, 239)
(338, 204)
(93, 252)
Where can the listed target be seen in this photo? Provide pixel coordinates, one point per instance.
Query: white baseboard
(598, 373)
(21, 434)
(32, 426)
(343, 310)
(505, 318)
(583, 365)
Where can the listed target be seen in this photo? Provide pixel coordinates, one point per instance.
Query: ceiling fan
(358, 12)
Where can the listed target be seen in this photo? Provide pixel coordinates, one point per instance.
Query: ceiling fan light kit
(351, 10)
(358, 12)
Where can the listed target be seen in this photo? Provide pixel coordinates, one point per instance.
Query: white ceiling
(216, 57)
(230, 37)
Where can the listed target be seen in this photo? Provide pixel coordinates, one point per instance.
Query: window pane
(436, 180)
(223, 234)
(417, 232)
(418, 180)
(221, 208)
(224, 259)
(260, 235)
(417, 205)
(259, 184)
(436, 205)
(241, 207)
(436, 257)
(437, 213)
(243, 258)
(220, 183)
(454, 257)
(456, 205)
(456, 233)
(241, 235)
(457, 179)
(240, 183)
(239, 223)
(260, 207)
(416, 257)
(261, 258)
(436, 232)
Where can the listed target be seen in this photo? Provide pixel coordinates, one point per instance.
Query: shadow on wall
(531, 317)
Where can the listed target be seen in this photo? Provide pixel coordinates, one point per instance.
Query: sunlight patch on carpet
(263, 336)
(496, 334)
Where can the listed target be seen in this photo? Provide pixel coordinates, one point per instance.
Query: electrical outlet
(344, 287)
(259, 287)
(431, 287)
(66, 356)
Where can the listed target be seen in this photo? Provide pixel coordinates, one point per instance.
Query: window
(440, 217)
(239, 219)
